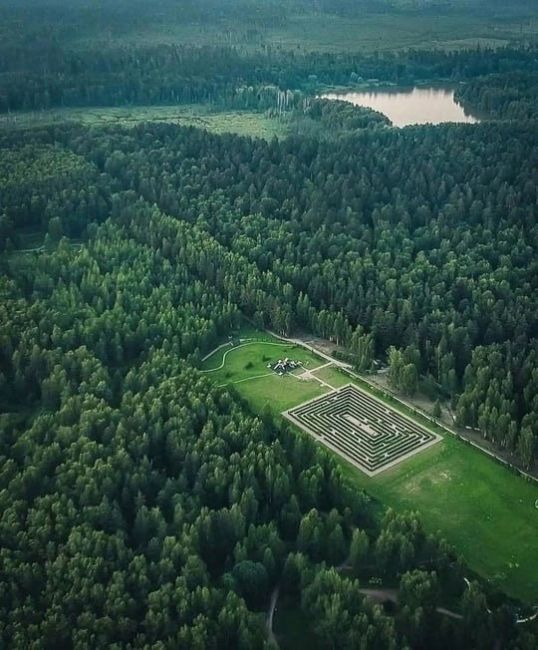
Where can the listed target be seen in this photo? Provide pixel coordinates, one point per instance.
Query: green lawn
(250, 359)
(280, 393)
(333, 377)
(484, 510)
(245, 367)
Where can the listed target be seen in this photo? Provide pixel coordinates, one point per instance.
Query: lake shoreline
(414, 105)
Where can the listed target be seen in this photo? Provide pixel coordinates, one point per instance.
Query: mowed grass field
(333, 376)
(245, 367)
(483, 509)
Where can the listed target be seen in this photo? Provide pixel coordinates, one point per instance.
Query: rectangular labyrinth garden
(361, 429)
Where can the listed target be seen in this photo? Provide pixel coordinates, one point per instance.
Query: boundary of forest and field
(415, 412)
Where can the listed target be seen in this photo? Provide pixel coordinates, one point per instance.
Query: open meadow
(245, 123)
(483, 509)
(245, 368)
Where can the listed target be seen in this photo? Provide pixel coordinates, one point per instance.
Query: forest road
(381, 595)
(270, 615)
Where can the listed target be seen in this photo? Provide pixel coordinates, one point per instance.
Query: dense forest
(153, 503)
(503, 96)
(340, 243)
(141, 505)
(172, 74)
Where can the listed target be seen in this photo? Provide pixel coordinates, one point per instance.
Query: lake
(405, 107)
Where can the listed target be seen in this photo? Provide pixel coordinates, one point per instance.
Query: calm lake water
(405, 107)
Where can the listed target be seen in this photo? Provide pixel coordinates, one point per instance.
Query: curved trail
(381, 594)
(519, 621)
(308, 376)
(377, 594)
(210, 354)
(270, 615)
(243, 345)
(36, 249)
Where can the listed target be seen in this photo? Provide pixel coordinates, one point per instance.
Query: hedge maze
(362, 429)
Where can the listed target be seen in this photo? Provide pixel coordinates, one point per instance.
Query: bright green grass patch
(333, 376)
(247, 123)
(279, 393)
(485, 511)
(250, 359)
(245, 367)
(247, 334)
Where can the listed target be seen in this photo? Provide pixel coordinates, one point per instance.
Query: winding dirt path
(210, 354)
(270, 615)
(381, 594)
(243, 345)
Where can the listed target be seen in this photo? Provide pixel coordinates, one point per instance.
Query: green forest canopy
(141, 506)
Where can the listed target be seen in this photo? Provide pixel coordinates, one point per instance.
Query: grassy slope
(480, 507)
